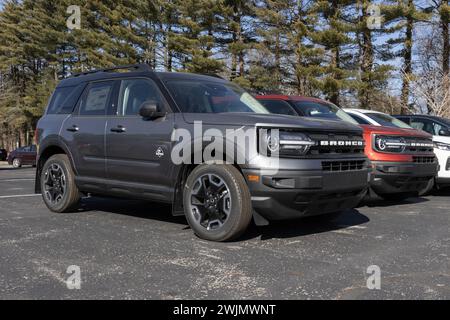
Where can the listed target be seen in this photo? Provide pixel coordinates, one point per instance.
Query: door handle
(118, 129)
(74, 128)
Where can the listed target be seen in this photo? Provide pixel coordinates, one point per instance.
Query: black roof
(134, 71)
(436, 118)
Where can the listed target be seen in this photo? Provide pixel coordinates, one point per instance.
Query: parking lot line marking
(12, 180)
(20, 195)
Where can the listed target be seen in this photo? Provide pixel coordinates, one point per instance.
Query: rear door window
(134, 92)
(96, 100)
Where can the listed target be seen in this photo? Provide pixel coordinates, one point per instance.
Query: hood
(368, 129)
(270, 120)
(442, 139)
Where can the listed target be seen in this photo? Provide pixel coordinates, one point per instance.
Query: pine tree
(238, 35)
(193, 44)
(273, 22)
(373, 75)
(305, 57)
(400, 17)
(335, 38)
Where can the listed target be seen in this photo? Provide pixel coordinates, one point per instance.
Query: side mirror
(444, 132)
(150, 110)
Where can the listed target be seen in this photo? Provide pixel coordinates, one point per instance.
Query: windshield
(322, 110)
(200, 96)
(387, 120)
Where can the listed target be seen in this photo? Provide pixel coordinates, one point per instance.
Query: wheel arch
(47, 150)
(181, 177)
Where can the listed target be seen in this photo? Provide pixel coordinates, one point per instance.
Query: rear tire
(58, 187)
(217, 202)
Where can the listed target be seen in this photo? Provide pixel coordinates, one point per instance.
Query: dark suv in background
(22, 156)
(114, 133)
(3, 154)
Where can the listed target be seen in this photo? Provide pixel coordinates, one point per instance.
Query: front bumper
(443, 176)
(399, 177)
(291, 194)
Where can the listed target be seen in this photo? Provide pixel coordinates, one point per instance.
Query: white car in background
(438, 127)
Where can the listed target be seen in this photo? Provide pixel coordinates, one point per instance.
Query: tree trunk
(446, 42)
(407, 59)
(367, 58)
(336, 61)
(278, 60)
(334, 96)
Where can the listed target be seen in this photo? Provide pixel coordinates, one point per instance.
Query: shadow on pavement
(132, 208)
(15, 169)
(306, 226)
(278, 229)
(387, 203)
(442, 192)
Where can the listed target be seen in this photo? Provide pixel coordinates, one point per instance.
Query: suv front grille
(424, 159)
(336, 143)
(346, 165)
(415, 149)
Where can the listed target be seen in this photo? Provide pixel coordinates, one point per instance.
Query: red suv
(403, 160)
(22, 155)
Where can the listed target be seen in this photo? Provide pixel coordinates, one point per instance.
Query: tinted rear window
(64, 99)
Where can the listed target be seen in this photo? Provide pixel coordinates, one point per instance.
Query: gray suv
(144, 135)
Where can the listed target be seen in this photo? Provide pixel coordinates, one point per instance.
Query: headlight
(389, 144)
(442, 146)
(284, 143)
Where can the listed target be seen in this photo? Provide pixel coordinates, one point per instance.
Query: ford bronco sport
(119, 134)
(439, 128)
(403, 160)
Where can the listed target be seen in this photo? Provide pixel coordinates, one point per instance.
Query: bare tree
(430, 82)
(429, 92)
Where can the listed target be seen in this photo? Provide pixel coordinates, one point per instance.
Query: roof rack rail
(131, 67)
(215, 75)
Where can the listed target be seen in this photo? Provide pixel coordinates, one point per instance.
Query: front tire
(16, 163)
(58, 187)
(428, 189)
(217, 202)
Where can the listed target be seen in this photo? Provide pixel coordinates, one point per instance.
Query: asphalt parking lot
(136, 250)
